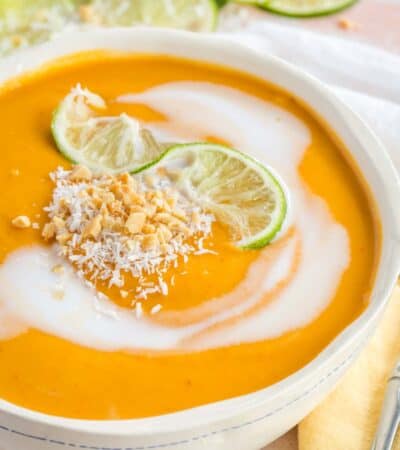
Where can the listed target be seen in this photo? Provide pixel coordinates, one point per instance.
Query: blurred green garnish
(24, 23)
(194, 15)
(27, 22)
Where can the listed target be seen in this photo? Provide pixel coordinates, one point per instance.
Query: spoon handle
(390, 415)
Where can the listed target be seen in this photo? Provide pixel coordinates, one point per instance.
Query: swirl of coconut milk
(286, 287)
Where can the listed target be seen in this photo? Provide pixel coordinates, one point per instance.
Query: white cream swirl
(300, 273)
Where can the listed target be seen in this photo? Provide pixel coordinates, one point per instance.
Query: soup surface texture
(233, 321)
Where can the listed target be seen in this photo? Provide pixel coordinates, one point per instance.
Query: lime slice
(305, 8)
(252, 2)
(103, 143)
(242, 193)
(194, 15)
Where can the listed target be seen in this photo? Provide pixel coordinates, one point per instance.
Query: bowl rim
(390, 246)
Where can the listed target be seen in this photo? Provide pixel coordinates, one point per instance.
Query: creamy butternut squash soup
(219, 320)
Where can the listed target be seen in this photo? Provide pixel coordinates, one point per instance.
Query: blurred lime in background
(304, 8)
(24, 23)
(195, 15)
(28, 22)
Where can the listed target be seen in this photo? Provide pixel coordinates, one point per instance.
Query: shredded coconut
(114, 227)
(155, 309)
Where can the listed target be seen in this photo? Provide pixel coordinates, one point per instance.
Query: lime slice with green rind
(242, 193)
(250, 2)
(193, 15)
(109, 144)
(305, 8)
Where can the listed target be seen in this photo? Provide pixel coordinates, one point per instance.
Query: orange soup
(220, 321)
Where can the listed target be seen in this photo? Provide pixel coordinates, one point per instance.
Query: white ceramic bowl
(247, 422)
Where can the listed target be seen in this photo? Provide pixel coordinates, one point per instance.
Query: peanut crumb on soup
(111, 227)
(21, 222)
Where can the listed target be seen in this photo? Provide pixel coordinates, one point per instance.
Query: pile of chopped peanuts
(112, 226)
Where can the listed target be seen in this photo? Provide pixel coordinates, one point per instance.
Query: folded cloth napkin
(368, 80)
(365, 77)
(347, 419)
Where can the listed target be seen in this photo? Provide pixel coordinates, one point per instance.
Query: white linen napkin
(365, 77)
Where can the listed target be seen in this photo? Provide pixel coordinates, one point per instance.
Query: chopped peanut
(162, 171)
(137, 199)
(149, 180)
(179, 226)
(80, 173)
(150, 210)
(124, 178)
(135, 222)
(179, 214)
(148, 228)
(64, 203)
(21, 222)
(164, 248)
(164, 218)
(171, 201)
(108, 197)
(64, 238)
(49, 231)
(164, 234)
(137, 208)
(150, 242)
(58, 269)
(59, 223)
(347, 24)
(93, 228)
